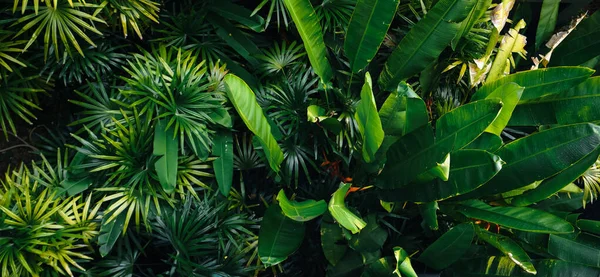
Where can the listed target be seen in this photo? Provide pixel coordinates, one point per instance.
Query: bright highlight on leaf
(301, 211)
(341, 213)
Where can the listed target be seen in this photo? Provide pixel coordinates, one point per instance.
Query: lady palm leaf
(591, 183)
(278, 58)
(64, 21)
(131, 13)
(16, 99)
(335, 14)
(8, 47)
(277, 8)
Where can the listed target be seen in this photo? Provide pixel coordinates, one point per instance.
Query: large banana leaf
(341, 213)
(166, 146)
(475, 14)
(333, 242)
(539, 156)
(518, 218)
(428, 212)
(509, 247)
(580, 45)
(367, 28)
(403, 111)
(301, 211)
(449, 248)
(367, 119)
(223, 164)
(309, 28)
(579, 104)
(244, 102)
(279, 236)
(504, 266)
(467, 122)
(486, 141)
(371, 238)
(584, 249)
(540, 82)
(425, 41)
(554, 184)
(509, 94)
(412, 155)
(469, 169)
(547, 22)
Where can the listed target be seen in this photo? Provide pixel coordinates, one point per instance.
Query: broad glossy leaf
(441, 171)
(371, 238)
(239, 14)
(339, 211)
(555, 183)
(309, 28)
(547, 22)
(581, 44)
(301, 211)
(403, 265)
(110, 232)
(540, 82)
(570, 106)
(244, 102)
(367, 119)
(539, 156)
(509, 247)
(509, 94)
(74, 186)
(367, 29)
(403, 111)
(235, 38)
(333, 242)
(448, 248)
(503, 266)
(469, 170)
(425, 41)
(383, 267)
(561, 203)
(591, 226)
(518, 218)
(486, 141)
(279, 236)
(467, 122)
(584, 249)
(350, 265)
(223, 164)
(428, 212)
(167, 147)
(475, 14)
(411, 155)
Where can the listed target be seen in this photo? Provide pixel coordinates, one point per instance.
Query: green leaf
(380, 268)
(367, 29)
(581, 45)
(239, 14)
(411, 155)
(584, 249)
(486, 141)
(503, 266)
(333, 242)
(429, 214)
(223, 164)
(74, 187)
(449, 248)
(518, 218)
(475, 14)
(509, 247)
(425, 41)
(570, 106)
(403, 265)
(367, 119)
(402, 112)
(469, 170)
(339, 211)
(547, 22)
(279, 236)
(109, 233)
(244, 102)
(587, 225)
(510, 94)
(350, 265)
(539, 156)
(167, 147)
(557, 182)
(301, 211)
(309, 28)
(371, 238)
(540, 82)
(467, 122)
(235, 39)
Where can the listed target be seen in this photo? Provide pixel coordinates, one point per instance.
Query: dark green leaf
(333, 242)
(509, 94)
(429, 214)
(580, 45)
(380, 268)
(110, 232)
(403, 265)
(223, 165)
(475, 14)
(167, 147)
(402, 112)
(584, 249)
(371, 238)
(279, 236)
(547, 22)
(486, 141)
(449, 248)
(509, 247)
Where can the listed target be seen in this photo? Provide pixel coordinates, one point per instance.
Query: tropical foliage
(299, 138)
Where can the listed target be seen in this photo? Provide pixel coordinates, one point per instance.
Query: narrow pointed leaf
(475, 14)
(509, 247)
(425, 41)
(166, 146)
(547, 22)
(504, 266)
(584, 249)
(109, 233)
(301, 211)
(244, 102)
(367, 29)
(448, 248)
(540, 82)
(339, 211)
(279, 236)
(307, 22)
(367, 119)
(223, 165)
(518, 218)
